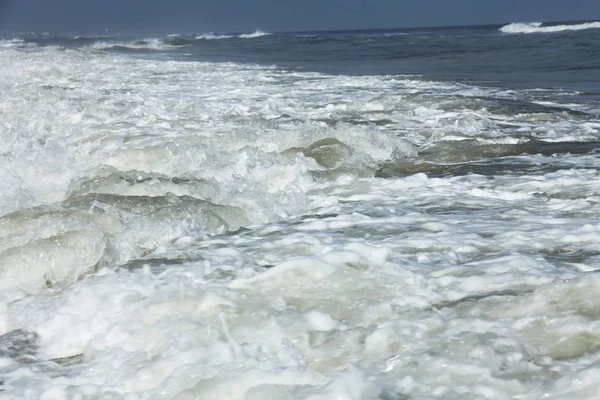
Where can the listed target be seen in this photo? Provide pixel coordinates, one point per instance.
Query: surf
(539, 27)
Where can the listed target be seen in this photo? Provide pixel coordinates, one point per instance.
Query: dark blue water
(485, 55)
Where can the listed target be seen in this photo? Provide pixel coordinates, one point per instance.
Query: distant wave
(16, 43)
(536, 27)
(170, 42)
(396, 34)
(92, 37)
(214, 36)
(10, 43)
(152, 44)
(254, 34)
(177, 41)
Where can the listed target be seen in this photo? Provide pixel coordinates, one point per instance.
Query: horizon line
(108, 32)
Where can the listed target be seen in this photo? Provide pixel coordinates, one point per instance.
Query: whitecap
(255, 34)
(216, 36)
(212, 36)
(536, 27)
(154, 44)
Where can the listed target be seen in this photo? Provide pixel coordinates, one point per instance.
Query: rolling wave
(151, 44)
(11, 43)
(178, 41)
(255, 34)
(536, 27)
(214, 36)
(170, 42)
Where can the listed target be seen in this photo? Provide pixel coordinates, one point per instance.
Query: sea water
(397, 214)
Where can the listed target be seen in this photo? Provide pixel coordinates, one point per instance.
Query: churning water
(403, 214)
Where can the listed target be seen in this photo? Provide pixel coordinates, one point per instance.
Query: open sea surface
(386, 214)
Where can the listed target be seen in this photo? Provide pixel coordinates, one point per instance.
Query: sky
(198, 16)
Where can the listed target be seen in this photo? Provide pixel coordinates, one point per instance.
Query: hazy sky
(181, 16)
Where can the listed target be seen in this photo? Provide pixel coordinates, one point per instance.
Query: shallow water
(180, 228)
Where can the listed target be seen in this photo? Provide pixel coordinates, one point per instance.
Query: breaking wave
(11, 43)
(170, 42)
(213, 36)
(177, 41)
(536, 27)
(254, 34)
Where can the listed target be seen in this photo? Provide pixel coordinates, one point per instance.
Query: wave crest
(177, 41)
(152, 44)
(14, 43)
(170, 42)
(536, 27)
(255, 34)
(214, 36)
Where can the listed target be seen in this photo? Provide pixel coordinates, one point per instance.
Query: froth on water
(183, 229)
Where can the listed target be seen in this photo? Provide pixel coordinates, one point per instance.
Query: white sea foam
(116, 173)
(255, 34)
(536, 27)
(146, 43)
(14, 43)
(215, 36)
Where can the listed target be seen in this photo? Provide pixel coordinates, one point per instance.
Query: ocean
(386, 214)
